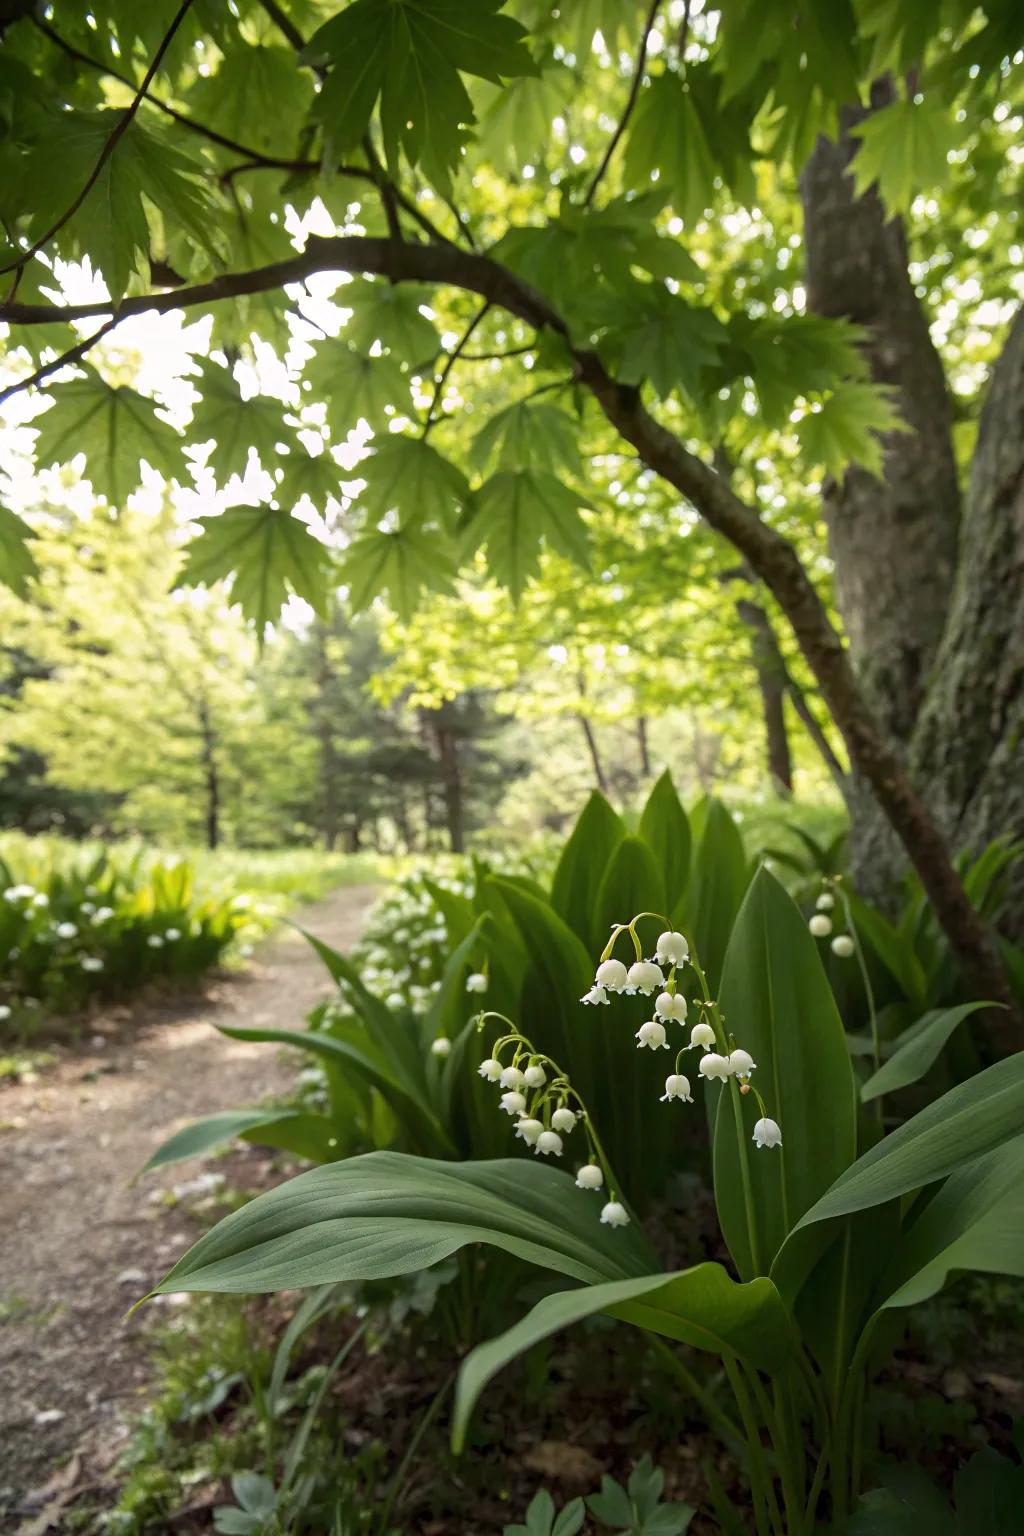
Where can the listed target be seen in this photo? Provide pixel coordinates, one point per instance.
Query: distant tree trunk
(772, 681)
(211, 775)
(644, 746)
(325, 737)
(451, 785)
(600, 777)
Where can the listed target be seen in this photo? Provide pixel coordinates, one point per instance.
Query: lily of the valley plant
(830, 1233)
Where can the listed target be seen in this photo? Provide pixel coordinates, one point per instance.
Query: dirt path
(77, 1242)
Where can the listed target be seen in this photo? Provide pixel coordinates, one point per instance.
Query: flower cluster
(546, 1109)
(721, 1057)
(843, 944)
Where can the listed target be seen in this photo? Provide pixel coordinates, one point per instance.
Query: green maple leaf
(524, 433)
(515, 120)
(17, 566)
(798, 355)
(266, 553)
(145, 183)
(668, 136)
(406, 475)
(662, 338)
(355, 386)
(307, 474)
(514, 514)
(845, 429)
(410, 55)
(389, 313)
(398, 563)
(234, 424)
(903, 150)
(114, 427)
(257, 95)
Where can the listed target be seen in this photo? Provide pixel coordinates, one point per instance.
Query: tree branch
(72, 355)
(108, 149)
(449, 364)
(769, 554)
(634, 91)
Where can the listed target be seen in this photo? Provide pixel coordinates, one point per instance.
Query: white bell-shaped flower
(564, 1119)
(529, 1130)
(441, 1047)
(825, 902)
(511, 1077)
(548, 1144)
(672, 949)
(820, 925)
(702, 1036)
(589, 1176)
(513, 1103)
(66, 930)
(767, 1134)
(652, 1035)
(843, 946)
(611, 976)
(714, 1067)
(595, 995)
(671, 1006)
(677, 1087)
(490, 1069)
(741, 1063)
(477, 982)
(614, 1215)
(535, 1076)
(644, 976)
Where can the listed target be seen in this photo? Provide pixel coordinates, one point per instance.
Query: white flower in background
(703, 1036)
(595, 995)
(155, 941)
(714, 1067)
(820, 925)
(652, 1035)
(611, 975)
(741, 1064)
(442, 1046)
(564, 1120)
(88, 908)
(825, 902)
(529, 1130)
(5, 1012)
(66, 930)
(535, 1076)
(672, 949)
(511, 1077)
(394, 1000)
(767, 1134)
(589, 1177)
(40, 899)
(477, 982)
(92, 963)
(614, 1215)
(15, 893)
(172, 935)
(102, 915)
(843, 946)
(490, 1069)
(671, 1006)
(676, 1087)
(644, 976)
(549, 1144)
(513, 1103)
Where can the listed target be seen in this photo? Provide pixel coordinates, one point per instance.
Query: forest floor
(80, 1241)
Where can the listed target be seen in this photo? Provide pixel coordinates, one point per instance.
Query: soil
(80, 1242)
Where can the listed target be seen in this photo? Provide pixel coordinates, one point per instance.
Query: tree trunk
(772, 682)
(211, 775)
(643, 746)
(451, 786)
(325, 738)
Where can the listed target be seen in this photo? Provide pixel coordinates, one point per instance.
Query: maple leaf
(405, 475)
(397, 563)
(514, 514)
(355, 386)
(17, 565)
(845, 429)
(266, 553)
(235, 425)
(113, 426)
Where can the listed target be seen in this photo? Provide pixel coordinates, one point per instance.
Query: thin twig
(72, 355)
(108, 149)
(634, 91)
(449, 364)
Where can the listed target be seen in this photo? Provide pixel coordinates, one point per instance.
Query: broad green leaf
(258, 95)
(313, 475)
(666, 136)
(632, 882)
(399, 564)
(234, 424)
(581, 866)
(514, 514)
(845, 429)
(204, 1135)
(114, 427)
(390, 313)
(919, 1048)
(975, 1222)
(267, 553)
(528, 433)
(387, 1214)
(17, 564)
(515, 120)
(406, 475)
(665, 829)
(797, 355)
(702, 1307)
(719, 876)
(354, 386)
(904, 150)
(776, 997)
(658, 336)
(892, 948)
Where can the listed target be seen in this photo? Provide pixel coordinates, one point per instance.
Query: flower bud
(611, 974)
(644, 976)
(477, 982)
(535, 1076)
(677, 1087)
(513, 1103)
(614, 1215)
(511, 1077)
(590, 1176)
(490, 1069)
(673, 949)
(652, 1034)
(529, 1130)
(767, 1134)
(564, 1119)
(549, 1144)
(843, 946)
(741, 1063)
(713, 1066)
(442, 1046)
(702, 1035)
(820, 925)
(825, 902)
